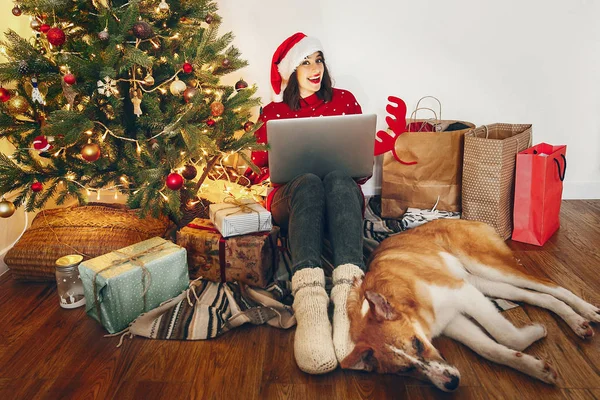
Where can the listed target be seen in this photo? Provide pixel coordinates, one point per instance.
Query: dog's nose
(453, 383)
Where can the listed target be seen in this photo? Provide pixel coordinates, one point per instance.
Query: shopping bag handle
(413, 114)
(431, 97)
(561, 177)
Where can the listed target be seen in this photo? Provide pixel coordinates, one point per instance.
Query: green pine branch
(137, 152)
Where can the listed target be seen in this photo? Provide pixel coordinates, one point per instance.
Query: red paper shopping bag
(540, 172)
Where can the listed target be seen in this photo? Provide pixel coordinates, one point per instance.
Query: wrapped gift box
(250, 258)
(239, 217)
(133, 280)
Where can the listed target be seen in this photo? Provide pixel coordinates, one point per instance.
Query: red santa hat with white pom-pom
(286, 59)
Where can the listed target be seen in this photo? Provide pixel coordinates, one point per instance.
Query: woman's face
(310, 74)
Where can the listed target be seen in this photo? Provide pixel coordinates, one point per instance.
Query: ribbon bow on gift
(108, 87)
(242, 206)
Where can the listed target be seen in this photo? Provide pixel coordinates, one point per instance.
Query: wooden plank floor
(50, 353)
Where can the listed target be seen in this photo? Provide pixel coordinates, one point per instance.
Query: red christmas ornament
(241, 84)
(56, 36)
(226, 62)
(37, 186)
(40, 143)
(174, 181)
(44, 28)
(210, 122)
(4, 95)
(187, 67)
(91, 152)
(16, 11)
(69, 79)
(248, 126)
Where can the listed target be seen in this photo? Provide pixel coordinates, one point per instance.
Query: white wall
(518, 61)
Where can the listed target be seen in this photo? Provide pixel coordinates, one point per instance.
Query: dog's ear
(381, 308)
(360, 358)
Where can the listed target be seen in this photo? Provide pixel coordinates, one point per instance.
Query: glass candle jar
(68, 281)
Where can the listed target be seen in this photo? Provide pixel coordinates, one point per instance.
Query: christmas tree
(120, 95)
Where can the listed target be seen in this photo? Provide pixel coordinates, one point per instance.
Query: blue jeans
(304, 205)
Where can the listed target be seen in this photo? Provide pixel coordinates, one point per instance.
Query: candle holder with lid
(68, 281)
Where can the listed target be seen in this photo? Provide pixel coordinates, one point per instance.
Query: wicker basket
(90, 230)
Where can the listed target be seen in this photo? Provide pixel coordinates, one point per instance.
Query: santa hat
(286, 59)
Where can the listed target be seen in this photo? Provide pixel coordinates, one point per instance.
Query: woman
(307, 205)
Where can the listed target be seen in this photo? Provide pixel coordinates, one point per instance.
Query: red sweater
(342, 102)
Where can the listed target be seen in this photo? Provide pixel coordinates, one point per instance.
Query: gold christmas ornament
(177, 87)
(149, 80)
(217, 109)
(90, 152)
(7, 208)
(18, 105)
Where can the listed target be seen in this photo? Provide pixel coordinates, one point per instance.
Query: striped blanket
(208, 309)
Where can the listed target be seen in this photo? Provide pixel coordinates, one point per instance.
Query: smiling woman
(311, 77)
(304, 206)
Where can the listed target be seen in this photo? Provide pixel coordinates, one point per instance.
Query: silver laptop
(320, 145)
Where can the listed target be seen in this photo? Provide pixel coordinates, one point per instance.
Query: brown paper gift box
(250, 258)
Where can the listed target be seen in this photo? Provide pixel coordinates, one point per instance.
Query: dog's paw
(530, 334)
(580, 326)
(591, 313)
(548, 373)
(584, 330)
(536, 368)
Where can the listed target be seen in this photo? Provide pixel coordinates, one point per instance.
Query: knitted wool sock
(343, 277)
(313, 346)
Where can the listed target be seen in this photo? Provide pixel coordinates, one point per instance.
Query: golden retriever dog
(431, 281)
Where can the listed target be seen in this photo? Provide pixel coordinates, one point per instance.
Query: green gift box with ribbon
(121, 285)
